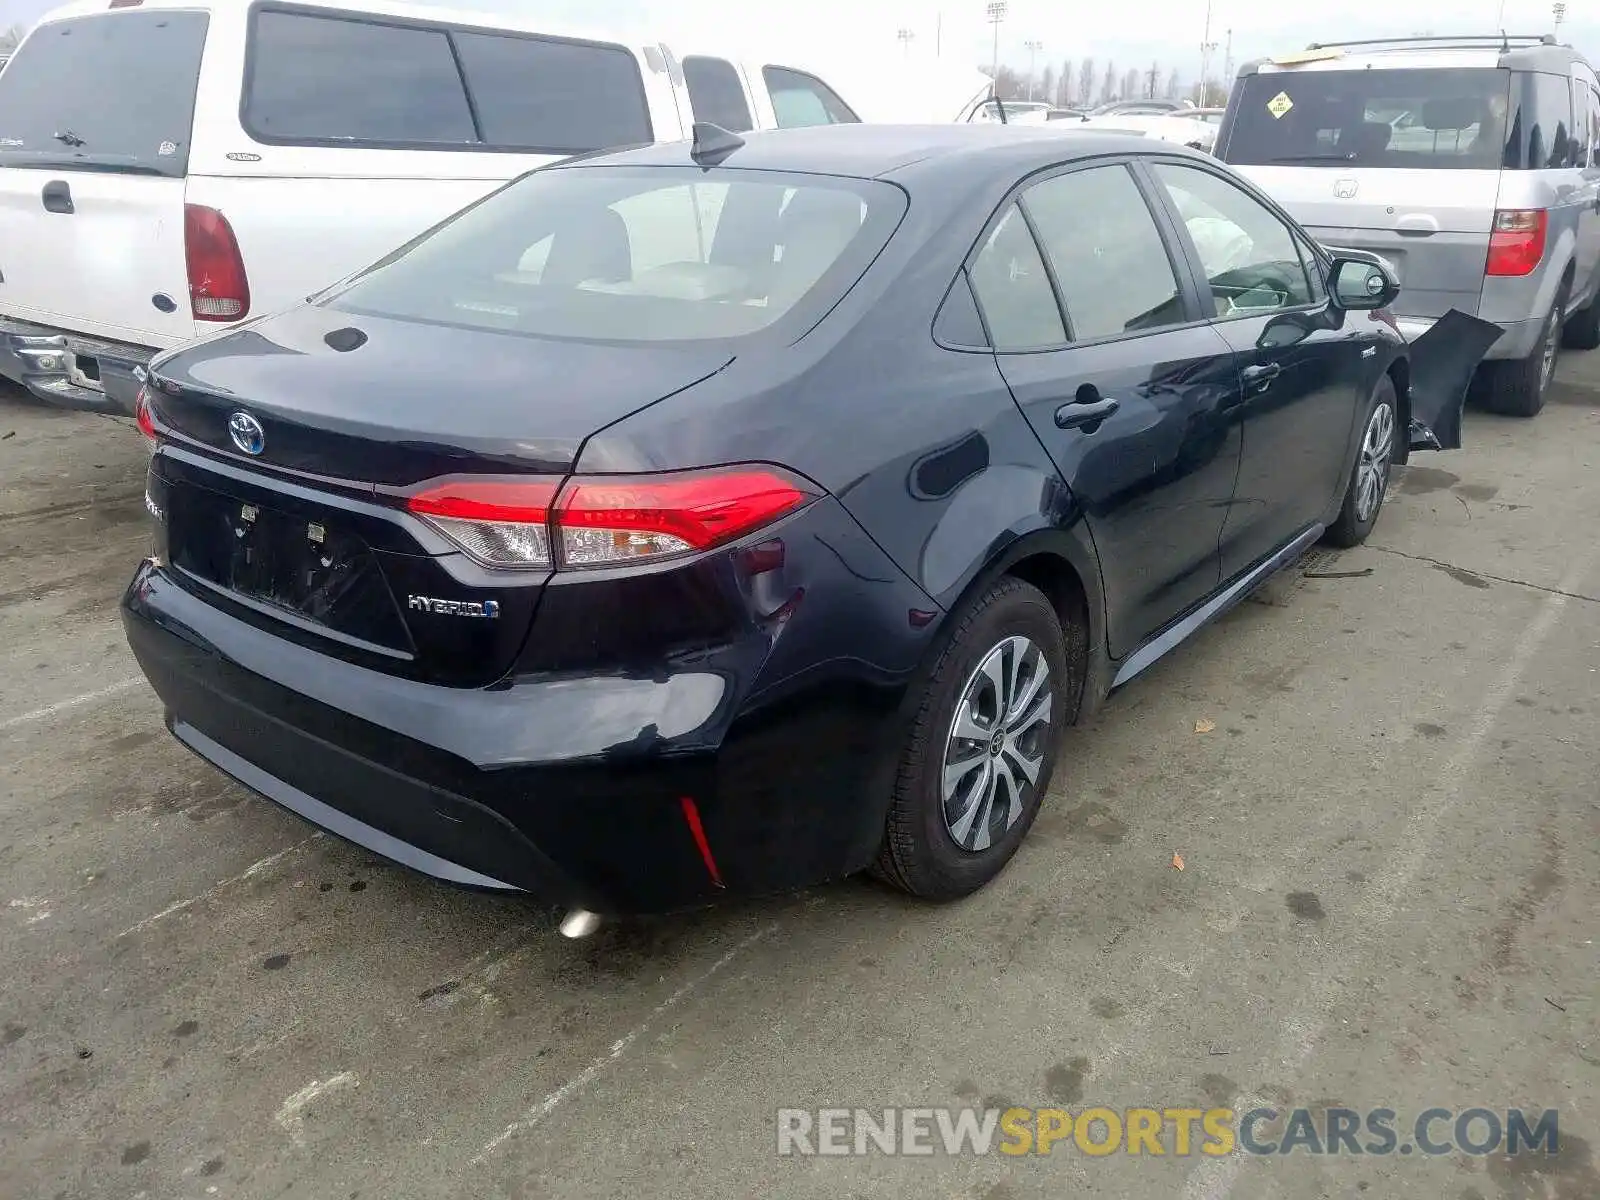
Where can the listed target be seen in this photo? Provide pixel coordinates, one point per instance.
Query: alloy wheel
(996, 746)
(1372, 470)
(1551, 348)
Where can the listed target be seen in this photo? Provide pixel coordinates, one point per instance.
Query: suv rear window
(1371, 118)
(317, 79)
(621, 254)
(109, 92)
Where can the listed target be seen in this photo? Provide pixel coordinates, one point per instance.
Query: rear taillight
(218, 289)
(1516, 243)
(604, 521)
(142, 414)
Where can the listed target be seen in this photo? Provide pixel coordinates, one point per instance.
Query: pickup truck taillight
(218, 289)
(1516, 242)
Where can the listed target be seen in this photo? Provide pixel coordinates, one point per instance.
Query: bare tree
(11, 38)
(1130, 84)
(1009, 85)
(1152, 81)
(1174, 84)
(1047, 85)
(1066, 86)
(1108, 85)
(1086, 82)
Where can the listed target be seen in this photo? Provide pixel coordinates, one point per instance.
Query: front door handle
(1085, 412)
(57, 197)
(1258, 379)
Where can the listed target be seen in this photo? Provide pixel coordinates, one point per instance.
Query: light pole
(905, 36)
(997, 14)
(1206, 48)
(1033, 48)
(1560, 11)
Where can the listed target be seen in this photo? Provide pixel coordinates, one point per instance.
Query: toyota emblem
(247, 433)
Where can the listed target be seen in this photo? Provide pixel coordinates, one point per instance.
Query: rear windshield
(110, 92)
(1372, 118)
(640, 254)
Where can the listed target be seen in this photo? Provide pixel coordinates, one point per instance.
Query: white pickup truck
(171, 167)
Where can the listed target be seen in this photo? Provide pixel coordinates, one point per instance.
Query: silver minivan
(1471, 164)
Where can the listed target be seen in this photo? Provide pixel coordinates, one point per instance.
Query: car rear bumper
(70, 370)
(475, 787)
(1517, 340)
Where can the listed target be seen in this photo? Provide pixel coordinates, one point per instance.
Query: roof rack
(1504, 42)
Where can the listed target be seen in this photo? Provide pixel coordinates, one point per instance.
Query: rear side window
(1540, 136)
(715, 93)
(1013, 289)
(1109, 259)
(1439, 119)
(104, 92)
(318, 80)
(554, 96)
(799, 99)
(643, 254)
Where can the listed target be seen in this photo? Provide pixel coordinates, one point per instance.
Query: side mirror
(1356, 284)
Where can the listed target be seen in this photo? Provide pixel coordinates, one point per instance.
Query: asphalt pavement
(1380, 776)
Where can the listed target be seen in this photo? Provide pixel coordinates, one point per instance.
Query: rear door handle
(1085, 412)
(1259, 378)
(57, 197)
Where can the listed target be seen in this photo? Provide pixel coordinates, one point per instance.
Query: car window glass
(645, 254)
(1109, 260)
(1542, 127)
(1013, 290)
(1250, 260)
(1419, 119)
(715, 93)
(799, 99)
(317, 78)
(1313, 269)
(553, 96)
(105, 91)
(1581, 134)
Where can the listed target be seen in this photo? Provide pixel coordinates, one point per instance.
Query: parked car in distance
(1065, 114)
(1175, 126)
(1137, 107)
(1471, 164)
(1017, 112)
(1211, 116)
(240, 157)
(718, 556)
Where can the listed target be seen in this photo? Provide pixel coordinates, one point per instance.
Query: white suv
(168, 167)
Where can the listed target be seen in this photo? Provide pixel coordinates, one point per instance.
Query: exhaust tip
(579, 923)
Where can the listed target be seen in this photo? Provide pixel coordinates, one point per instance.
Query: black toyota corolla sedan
(713, 519)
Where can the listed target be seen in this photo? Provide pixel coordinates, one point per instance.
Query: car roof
(869, 151)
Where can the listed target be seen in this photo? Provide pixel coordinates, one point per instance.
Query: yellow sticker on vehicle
(1279, 105)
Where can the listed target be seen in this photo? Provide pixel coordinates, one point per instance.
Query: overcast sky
(1133, 32)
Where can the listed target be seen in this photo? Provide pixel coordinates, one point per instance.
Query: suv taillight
(1516, 243)
(218, 289)
(606, 521)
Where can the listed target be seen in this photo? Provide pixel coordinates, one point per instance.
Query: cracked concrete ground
(1392, 876)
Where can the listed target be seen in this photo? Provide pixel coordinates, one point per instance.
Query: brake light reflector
(218, 288)
(605, 521)
(599, 520)
(499, 522)
(1516, 242)
(142, 414)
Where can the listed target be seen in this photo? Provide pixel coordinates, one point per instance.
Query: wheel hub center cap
(997, 743)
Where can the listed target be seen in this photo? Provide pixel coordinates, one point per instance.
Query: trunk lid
(308, 536)
(95, 120)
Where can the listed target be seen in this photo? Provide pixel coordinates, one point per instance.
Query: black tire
(1516, 387)
(1350, 528)
(920, 853)
(1582, 331)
